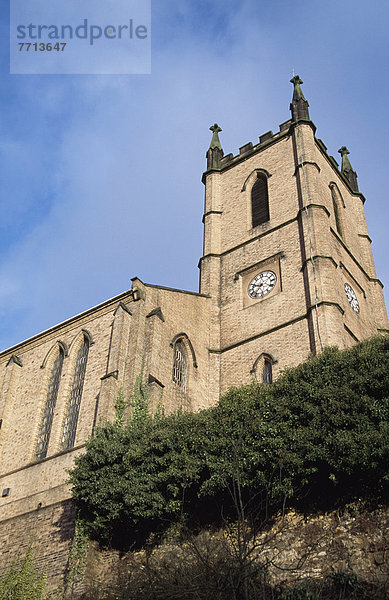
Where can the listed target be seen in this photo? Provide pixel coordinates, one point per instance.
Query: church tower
(286, 270)
(287, 258)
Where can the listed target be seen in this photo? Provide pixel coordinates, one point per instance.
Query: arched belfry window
(48, 410)
(180, 365)
(337, 203)
(74, 402)
(259, 201)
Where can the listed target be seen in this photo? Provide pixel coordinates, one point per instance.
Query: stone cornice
(351, 333)
(102, 308)
(342, 266)
(257, 336)
(319, 256)
(169, 289)
(211, 212)
(276, 328)
(253, 239)
(258, 264)
(313, 205)
(374, 279)
(43, 460)
(334, 165)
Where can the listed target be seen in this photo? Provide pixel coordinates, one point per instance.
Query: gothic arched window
(259, 201)
(263, 368)
(267, 371)
(48, 411)
(180, 365)
(73, 406)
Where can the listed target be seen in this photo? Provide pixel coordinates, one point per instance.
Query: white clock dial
(351, 297)
(262, 284)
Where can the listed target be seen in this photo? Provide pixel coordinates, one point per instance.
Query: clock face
(262, 284)
(351, 297)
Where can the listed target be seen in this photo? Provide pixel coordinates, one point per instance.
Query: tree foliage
(317, 438)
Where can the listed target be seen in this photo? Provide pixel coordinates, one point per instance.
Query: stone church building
(287, 269)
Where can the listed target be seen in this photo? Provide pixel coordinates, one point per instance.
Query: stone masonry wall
(50, 532)
(294, 548)
(127, 337)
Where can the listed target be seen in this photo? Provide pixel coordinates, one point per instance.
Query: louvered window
(180, 365)
(335, 204)
(73, 407)
(267, 372)
(48, 411)
(259, 202)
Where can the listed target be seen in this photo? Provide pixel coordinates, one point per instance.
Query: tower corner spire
(347, 170)
(215, 151)
(299, 105)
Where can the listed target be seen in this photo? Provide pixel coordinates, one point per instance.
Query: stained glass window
(180, 365)
(48, 411)
(73, 407)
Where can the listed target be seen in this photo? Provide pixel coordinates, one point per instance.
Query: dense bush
(316, 438)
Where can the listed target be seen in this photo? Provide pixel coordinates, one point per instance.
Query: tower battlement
(286, 270)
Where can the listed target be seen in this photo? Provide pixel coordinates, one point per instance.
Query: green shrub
(318, 438)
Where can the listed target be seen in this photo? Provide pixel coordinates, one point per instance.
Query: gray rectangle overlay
(80, 37)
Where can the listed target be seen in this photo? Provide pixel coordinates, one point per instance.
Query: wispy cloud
(102, 174)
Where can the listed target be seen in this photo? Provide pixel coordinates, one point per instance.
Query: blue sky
(101, 175)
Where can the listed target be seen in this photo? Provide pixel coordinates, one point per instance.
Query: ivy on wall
(23, 581)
